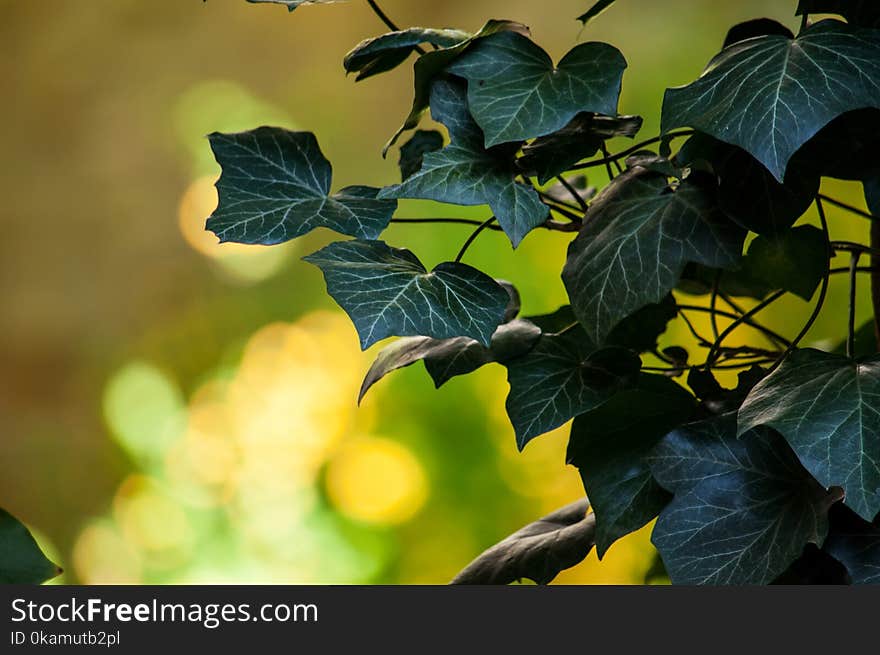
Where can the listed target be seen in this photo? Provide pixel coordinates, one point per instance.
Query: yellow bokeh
(102, 556)
(376, 481)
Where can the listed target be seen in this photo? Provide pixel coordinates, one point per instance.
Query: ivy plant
(776, 479)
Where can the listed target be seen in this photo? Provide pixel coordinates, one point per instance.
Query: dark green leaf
(715, 398)
(771, 94)
(388, 292)
(539, 551)
(555, 322)
(465, 173)
(828, 408)
(846, 148)
(515, 92)
(857, 12)
(865, 342)
(608, 445)
(21, 560)
(595, 10)
(292, 4)
(640, 331)
(548, 156)
(447, 358)
(747, 192)
(433, 63)
(638, 236)
(382, 53)
(856, 544)
(757, 27)
(743, 509)
(275, 185)
(872, 194)
(563, 376)
(795, 261)
(697, 280)
(413, 151)
(814, 567)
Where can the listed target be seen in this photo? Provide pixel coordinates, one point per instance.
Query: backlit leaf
(21, 560)
(382, 53)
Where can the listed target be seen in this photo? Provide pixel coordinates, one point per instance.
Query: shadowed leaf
(21, 560)
(383, 53)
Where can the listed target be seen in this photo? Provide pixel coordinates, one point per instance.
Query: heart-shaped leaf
(465, 173)
(795, 261)
(388, 292)
(548, 156)
(609, 445)
(275, 186)
(21, 560)
(562, 376)
(383, 53)
(637, 237)
(827, 407)
(516, 93)
(433, 63)
(744, 508)
(769, 95)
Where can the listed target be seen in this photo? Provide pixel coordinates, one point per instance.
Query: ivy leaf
(383, 53)
(465, 173)
(857, 12)
(564, 375)
(595, 10)
(770, 94)
(856, 544)
(747, 191)
(293, 4)
(433, 63)
(515, 92)
(743, 508)
(539, 551)
(795, 261)
(21, 560)
(639, 331)
(446, 358)
(413, 151)
(826, 407)
(872, 194)
(609, 445)
(637, 237)
(548, 156)
(275, 186)
(388, 292)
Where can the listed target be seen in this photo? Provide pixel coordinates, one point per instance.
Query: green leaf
(432, 64)
(795, 261)
(769, 95)
(383, 53)
(446, 358)
(855, 543)
(555, 322)
(595, 10)
(516, 93)
(872, 194)
(388, 292)
(857, 12)
(539, 551)
(548, 156)
(639, 331)
(743, 508)
(21, 560)
(465, 173)
(637, 237)
(564, 375)
(413, 151)
(826, 406)
(609, 445)
(275, 186)
(747, 192)
(293, 4)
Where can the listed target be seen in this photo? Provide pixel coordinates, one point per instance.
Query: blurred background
(175, 411)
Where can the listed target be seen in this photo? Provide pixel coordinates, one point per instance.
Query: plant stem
(455, 221)
(746, 319)
(573, 192)
(713, 353)
(388, 22)
(631, 150)
(713, 303)
(770, 336)
(852, 246)
(875, 280)
(851, 334)
(606, 157)
(563, 208)
(823, 291)
(849, 208)
(473, 236)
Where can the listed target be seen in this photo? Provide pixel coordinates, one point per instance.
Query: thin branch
(749, 364)
(473, 237)
(849, 208)
(851, 326)
(747, 320)
(713, 353)
(626, 153)
(713, 304)
(454, 221)
(770, 336)
(852, 246)
(573, 192)
(606, 157)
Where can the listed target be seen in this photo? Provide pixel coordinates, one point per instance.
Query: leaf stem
(573, 192)
(388, 22)
(849, 208)
(626, 153)
(473, 237)
(456, 221)
(745, 319)
(713, 304)
(851, 333)
(606, 157)
(713, 353)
